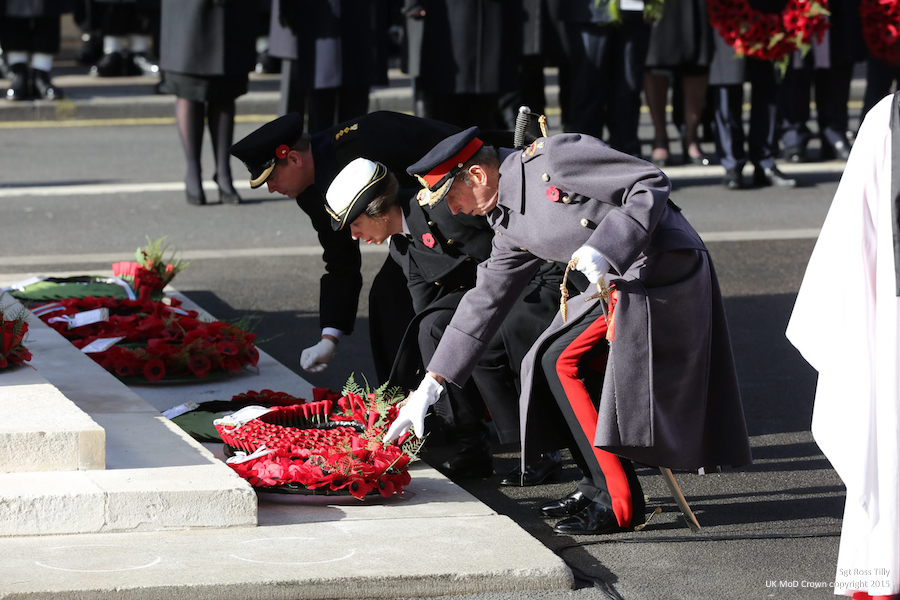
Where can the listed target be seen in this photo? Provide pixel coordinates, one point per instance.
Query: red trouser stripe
(865, 596)
(583, 407)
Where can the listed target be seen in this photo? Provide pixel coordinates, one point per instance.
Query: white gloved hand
(591, 263)
(412, 414)
(315, 358)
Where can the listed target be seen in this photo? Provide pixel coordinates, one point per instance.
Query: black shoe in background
(19, 86)
(535, 473)
(44, 88)
(772, 177)
(142, 65)
(572, 504)
(840, 150)
(110, 65)
(594, 519)
(733, 180)
(795, 154)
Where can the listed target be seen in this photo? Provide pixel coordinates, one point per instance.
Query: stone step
(156, 476)
(41, 429)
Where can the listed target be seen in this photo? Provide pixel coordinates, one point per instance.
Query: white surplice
(845, 324)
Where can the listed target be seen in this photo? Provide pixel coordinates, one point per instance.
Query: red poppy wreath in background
(159, 340)
(881, 29)
(769, 36)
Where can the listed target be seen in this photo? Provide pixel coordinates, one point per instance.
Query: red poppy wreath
(769, 36)
(881, 29)
(12, 338)
(329, 446)
(150, 340)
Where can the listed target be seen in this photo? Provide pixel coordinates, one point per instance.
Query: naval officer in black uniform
(295, 164)
(669, 395)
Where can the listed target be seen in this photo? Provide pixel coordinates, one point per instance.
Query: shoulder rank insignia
(353, 127)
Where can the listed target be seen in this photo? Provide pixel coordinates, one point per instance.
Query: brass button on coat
(545, 177)
(450, 242)
(585, 222)
(566, 200)
(431, 223)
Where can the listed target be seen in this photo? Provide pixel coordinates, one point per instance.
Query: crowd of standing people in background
(472, 62)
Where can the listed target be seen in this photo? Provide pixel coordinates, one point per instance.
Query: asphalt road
(65, 207)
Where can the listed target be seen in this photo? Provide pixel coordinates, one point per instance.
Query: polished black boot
(535, 473)
(110, 65)
(594, 519)
(44, 88)
(19, 87)
(565, 507)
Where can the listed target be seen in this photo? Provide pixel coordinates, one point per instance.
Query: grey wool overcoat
(670, 395)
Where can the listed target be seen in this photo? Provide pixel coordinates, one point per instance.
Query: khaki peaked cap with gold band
(354, 188)
(436, 170)
(259, 150)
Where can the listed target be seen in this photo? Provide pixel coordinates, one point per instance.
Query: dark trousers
(40, 34)
(879, 79)
(832, 92)
(607, 76)
(462, 110)
(730, 138)
(323, 107)
(573, 366)
(390, 311)
(460, 407)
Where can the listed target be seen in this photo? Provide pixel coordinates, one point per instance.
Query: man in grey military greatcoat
(669, 393)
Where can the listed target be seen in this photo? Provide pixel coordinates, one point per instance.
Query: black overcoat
(27, 9)
(465, 46)
(206, 38)
(394, 139)
(336, 42)
(670, 396)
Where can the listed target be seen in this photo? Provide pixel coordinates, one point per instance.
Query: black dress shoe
(198, 200)
(535, 473)
(566, 507)
(43, 87)
(141, 65)
(772, 177)
(468, 466)
(840, 150)
(593, 519)
(19, 88)
(229, 197)
(110, 65)
(734, 179)
(795, 154)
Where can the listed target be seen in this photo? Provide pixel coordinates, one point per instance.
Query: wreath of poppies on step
(12, 337)
(332, 445)
(881, 29)
(769, 36)
(158, 340)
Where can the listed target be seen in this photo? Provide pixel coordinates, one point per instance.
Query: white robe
(845, 324)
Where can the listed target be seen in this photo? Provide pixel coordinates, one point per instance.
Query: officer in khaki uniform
(669, 396)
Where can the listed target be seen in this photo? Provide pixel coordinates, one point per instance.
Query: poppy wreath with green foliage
(881, 29)
(769, 36)
(331, 445)
(159, 340)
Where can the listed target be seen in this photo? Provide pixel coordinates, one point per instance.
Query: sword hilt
(523, 119)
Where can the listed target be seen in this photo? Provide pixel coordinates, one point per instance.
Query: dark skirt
(683, 37)
(202, 88)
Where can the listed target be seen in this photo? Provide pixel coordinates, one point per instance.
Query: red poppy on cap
(282, 151)
(428, 240)
(552, 194)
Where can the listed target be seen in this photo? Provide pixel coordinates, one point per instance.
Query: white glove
(413, 412)
(591, 263)
(315, 358)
